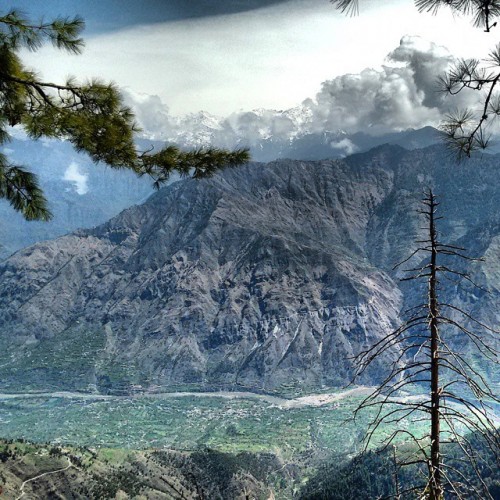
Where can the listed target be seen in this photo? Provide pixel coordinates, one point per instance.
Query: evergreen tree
(465, 130)
(90, 115)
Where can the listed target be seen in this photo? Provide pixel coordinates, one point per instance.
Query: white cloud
(268, 58)
(151, 113)
(401, 94)
(345, 145)
(79, 180)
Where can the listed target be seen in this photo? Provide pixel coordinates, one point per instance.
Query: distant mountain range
(290, 134)
(83, 195)
(268, 277)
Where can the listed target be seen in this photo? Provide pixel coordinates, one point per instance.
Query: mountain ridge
(83, 195)
(264, 277)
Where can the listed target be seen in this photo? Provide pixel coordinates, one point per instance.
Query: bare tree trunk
(396, 476)
(435, 488)
(434, 357)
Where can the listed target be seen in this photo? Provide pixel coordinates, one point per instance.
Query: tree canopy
(90, 115)
(464, 129)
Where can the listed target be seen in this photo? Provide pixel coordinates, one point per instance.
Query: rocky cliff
(83, 195)
(267, 277)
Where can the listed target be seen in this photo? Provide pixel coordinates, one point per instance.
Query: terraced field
(226, 422)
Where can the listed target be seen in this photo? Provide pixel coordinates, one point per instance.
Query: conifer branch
(91, 116)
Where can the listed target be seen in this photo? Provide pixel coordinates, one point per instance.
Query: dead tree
(456, 400)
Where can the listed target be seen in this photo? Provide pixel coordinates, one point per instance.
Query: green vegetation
(373, 475)
(189, 422)
(64, 362)
(99, 473)
(91, 116)
(83, 473)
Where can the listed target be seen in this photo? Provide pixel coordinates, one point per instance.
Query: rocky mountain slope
(83, 195)
(35, 471)
(265, 277)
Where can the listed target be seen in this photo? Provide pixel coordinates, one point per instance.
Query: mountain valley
(269, 277)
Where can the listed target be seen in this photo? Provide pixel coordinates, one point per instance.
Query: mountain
(80, 194)
(296, 133)
(52, 471)
(268, 277)
(83, 195)
(290, 134)
(318, 146)
(369, 475)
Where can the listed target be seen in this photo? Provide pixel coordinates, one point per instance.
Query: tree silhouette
(90, 115)
(457, 401)
(465, 130)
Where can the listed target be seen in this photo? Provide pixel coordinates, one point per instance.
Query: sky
(227, 57)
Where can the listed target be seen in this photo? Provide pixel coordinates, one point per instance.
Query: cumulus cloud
(151, 113)
(263, 124)
(79, 180)
(345, 145)
(425, 60)
(401, 94)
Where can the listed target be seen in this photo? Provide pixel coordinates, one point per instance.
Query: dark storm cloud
(106, 15)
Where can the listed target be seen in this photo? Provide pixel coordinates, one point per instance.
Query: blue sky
(107, 15)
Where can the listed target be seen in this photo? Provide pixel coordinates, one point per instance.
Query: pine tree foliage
(483, 12)
(347, 6)
(465, 130)
(90, 115)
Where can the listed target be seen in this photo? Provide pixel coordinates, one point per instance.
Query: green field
(146, 437)
(239, 424)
